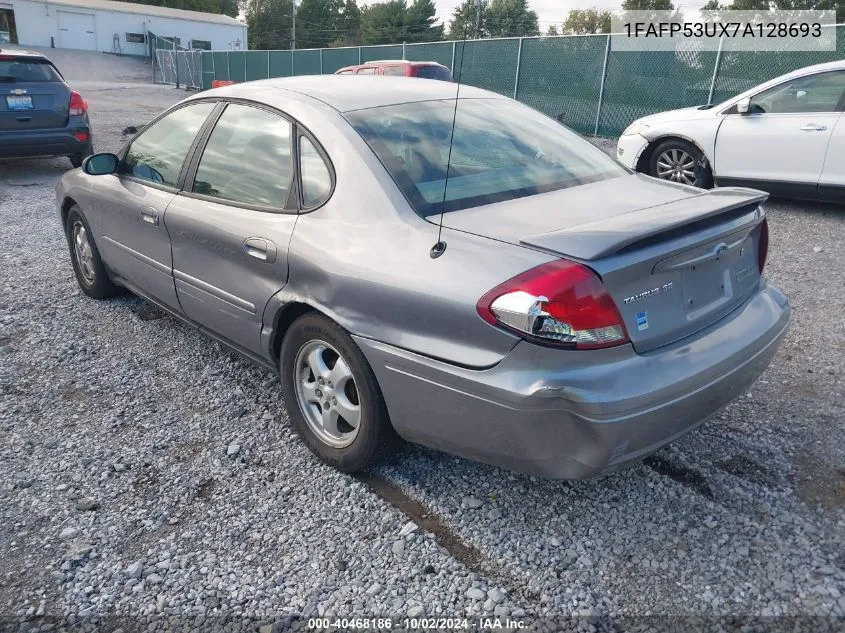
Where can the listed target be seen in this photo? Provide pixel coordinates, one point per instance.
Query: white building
(116, 27)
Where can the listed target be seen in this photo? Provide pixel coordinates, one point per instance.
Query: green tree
(648, 5)
(395, 21)
(320, 23)
(511, 18)
(552, 30)
(269, 23)
(230, 8)
(383, 23)
(465, 18)
(420, 22)
(587, 22)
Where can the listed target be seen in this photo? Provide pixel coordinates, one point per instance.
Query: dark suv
(40, 115)
(400, 68)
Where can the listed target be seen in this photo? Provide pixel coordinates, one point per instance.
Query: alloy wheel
(676, 165)
(83, 252)
(327, 394)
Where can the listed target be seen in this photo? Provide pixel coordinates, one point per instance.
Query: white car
(786, 136)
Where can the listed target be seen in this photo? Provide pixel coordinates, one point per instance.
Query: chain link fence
(581, 80)
(173, 64)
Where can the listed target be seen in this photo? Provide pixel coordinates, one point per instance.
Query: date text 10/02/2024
(416, 624)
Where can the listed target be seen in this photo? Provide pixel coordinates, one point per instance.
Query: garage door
(76, 30)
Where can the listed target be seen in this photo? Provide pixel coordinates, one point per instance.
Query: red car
(400, 68)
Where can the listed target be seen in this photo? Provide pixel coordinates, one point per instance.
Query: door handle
(150, 216)
(260, 249)
(812, 127)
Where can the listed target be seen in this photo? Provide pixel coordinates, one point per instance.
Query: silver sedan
(464, 273)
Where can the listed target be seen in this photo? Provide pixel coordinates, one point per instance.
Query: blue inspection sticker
(642, 321)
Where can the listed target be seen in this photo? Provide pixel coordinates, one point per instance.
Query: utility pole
(477, 19)
(293, 35)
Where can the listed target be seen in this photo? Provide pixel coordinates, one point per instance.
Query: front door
(135, 242)
(832, 182)
(231, 227)
(785, 134)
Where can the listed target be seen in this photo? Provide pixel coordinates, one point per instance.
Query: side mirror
(100, 164)
(743, 106)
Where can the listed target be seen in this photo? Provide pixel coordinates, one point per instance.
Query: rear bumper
(570, 414)
(38, 143)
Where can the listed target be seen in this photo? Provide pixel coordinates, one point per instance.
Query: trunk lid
(675, 259)
(32, 94)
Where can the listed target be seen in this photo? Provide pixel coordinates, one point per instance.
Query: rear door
(785, 135)
(32, 94)
(131, 205)
(231, 226)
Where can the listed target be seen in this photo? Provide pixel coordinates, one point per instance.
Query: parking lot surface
(146, 471)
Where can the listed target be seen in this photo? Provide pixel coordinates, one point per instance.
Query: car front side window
(158, 153)
(817, 93)
(247, 158)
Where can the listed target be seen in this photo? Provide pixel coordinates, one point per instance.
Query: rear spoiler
(606, 237)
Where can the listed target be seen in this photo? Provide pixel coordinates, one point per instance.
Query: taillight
(77, 104)
(560, 303)
(82, 137)
(763, 245)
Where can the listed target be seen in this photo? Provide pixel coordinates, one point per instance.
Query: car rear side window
(367, 71)
(158, 153)
(316, 176)
(433, 72)
(502, 150)
(395, 71)
(21, 69)
(247, 158)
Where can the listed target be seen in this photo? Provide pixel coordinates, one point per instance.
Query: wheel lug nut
(334, 401)
(319, 393)
(321, 381)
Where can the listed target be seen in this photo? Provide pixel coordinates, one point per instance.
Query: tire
(679, 161)
(76, 159)
(90, 272)
(315, 341)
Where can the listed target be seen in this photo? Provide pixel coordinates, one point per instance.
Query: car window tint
(366, 71)
(816, 93)
(502, 150)
(20, 70)
(434, 72)
(247, 158)
(396, 71)
(316, 177)
(344, 72)
(158, 153)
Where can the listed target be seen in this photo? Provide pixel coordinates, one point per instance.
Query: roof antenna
(440, 247)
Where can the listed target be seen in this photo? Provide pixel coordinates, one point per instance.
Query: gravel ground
(145, 471)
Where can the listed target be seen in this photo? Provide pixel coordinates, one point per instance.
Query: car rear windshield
(502, 151)
(23, 69)
(434, 72)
